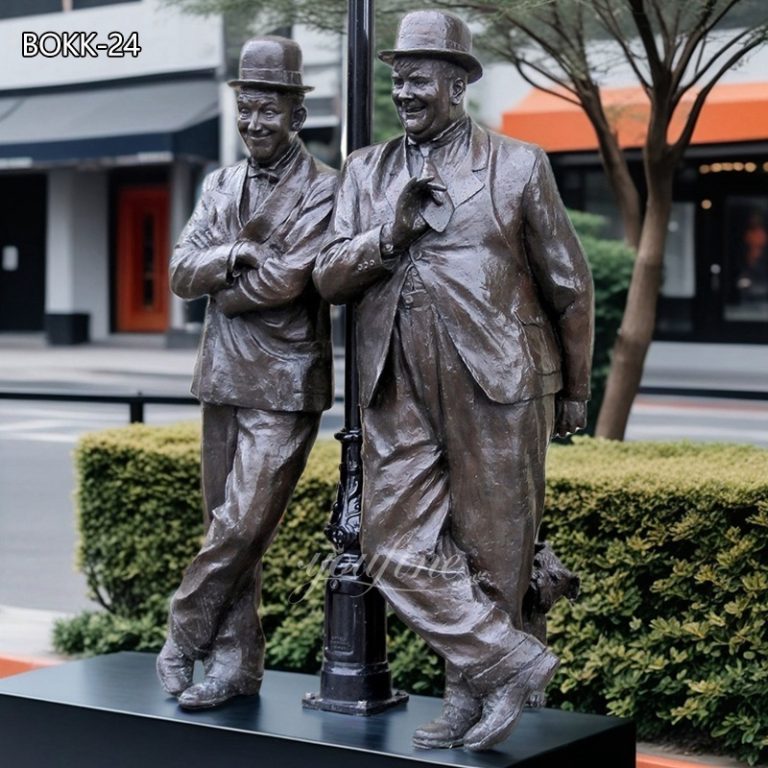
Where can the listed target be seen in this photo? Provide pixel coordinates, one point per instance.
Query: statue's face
(426, 96)
(266, 121)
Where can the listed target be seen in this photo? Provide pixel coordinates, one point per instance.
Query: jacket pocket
(539, 337)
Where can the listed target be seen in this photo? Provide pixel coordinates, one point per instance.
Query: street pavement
(38, 577)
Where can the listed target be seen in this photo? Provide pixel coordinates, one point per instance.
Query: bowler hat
(271, 62)
(435, 35)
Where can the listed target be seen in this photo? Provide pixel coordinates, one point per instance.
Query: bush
(139, 502)
(671, 628)
(611, 263)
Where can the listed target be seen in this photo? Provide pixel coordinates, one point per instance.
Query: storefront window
(598, 198)
(679, 261)
(745, 271)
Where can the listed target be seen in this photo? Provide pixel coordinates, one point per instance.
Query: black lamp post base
(360, 708)
(355, 678)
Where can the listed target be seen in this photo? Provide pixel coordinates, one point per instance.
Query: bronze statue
(475, 325)
(263, 371)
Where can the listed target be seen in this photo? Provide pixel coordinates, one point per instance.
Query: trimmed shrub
(670, 541)
(671, 628)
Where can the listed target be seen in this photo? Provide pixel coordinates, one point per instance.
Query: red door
(142, 258)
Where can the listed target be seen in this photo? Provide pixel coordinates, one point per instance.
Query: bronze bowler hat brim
(435, 35)
(270, 62)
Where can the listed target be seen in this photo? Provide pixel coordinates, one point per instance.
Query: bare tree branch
(700, 73)
(647, 38)
(607, 16)
(705, 24)
(545, 89)
(679, 146)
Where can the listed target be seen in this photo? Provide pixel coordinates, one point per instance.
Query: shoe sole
(210, 703)
(538, 681)
(423, 744)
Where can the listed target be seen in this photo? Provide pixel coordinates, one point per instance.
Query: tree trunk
(614, 164)
(623, 186)
(639, 319)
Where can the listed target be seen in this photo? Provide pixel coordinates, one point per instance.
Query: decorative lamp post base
(355, 679)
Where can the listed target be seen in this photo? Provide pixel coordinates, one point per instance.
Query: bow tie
(263, 175)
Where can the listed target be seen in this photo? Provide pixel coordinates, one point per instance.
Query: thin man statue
(263, 371)
(475, 326)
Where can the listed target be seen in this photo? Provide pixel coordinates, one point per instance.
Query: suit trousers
(453, 493)
(251, 462)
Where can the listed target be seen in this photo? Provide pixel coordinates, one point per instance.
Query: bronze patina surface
(474, 332)
(263, 371)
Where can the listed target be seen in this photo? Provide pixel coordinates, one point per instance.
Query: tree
(676, 50)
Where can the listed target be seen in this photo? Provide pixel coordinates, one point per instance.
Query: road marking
(43, 437)
(29, 424)
(681, 432)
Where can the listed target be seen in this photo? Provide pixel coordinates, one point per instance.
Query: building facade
(111, 113)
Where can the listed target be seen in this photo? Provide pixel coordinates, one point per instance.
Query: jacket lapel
(466, 179)
(463, 181)
(281, 202)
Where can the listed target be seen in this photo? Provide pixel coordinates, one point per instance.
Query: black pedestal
(109, 712)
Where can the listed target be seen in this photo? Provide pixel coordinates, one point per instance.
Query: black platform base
(109, 712)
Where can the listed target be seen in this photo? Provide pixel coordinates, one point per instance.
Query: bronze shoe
(215, 690)
(174, 668)
(503, 706)
(448, 730)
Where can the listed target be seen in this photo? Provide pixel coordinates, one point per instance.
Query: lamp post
(355, 677)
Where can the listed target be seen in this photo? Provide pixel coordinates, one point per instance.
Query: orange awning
(732, 113)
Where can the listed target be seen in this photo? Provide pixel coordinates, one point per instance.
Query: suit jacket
(507, 274)
(272, 348)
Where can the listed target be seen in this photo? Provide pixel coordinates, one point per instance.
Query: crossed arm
(244, 276)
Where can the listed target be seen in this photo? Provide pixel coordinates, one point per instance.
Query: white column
(181, 209)
(229, 139)
(77, 247)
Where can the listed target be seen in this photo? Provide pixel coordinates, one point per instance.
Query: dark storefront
(715, 284)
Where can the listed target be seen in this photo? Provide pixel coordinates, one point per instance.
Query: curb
(15, 665)
(654, 761)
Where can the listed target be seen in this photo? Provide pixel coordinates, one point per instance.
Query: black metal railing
(135, 402)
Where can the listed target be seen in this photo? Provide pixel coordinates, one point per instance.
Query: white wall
(171, 41)
(77, 247)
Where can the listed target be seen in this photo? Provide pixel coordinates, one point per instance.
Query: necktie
(438, 208)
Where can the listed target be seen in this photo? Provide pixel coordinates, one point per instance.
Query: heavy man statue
(263, 372)
(475, 326)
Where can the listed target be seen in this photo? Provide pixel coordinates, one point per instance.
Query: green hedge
(670, 540)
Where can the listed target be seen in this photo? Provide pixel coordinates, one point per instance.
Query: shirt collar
(455, 131)
(274, 171)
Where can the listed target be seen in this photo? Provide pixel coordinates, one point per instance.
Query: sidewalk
(127, 362)
(707, 366)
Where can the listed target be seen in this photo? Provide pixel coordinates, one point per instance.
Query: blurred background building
(101, 158)
(101, 161)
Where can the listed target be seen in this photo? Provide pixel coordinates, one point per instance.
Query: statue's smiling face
(427, 94)
(266, 121)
